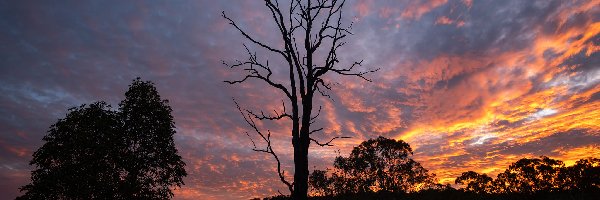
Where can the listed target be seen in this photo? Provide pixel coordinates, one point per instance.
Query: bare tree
(305, 28)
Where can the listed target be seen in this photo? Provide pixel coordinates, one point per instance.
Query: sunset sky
(469, 84)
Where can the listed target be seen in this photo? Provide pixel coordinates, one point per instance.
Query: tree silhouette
(584, 175)
(530, 176)
(320, 183)
(375, 165)
(97, 153)
(80, 157)
(153, 163)
(474, 182)
(535, 175)
(359, 176)
(311, 33)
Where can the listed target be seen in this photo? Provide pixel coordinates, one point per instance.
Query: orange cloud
(417, 8)
(443, 20)
(465, 113)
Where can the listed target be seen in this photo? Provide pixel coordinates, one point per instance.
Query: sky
(469, 84)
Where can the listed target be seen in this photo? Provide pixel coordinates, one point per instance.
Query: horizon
(471, 85)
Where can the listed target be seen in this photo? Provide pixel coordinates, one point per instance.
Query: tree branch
(312, 119)
(277, 115)
(314, 131)
(268, 148)
(251, 64)
(329, 142)
(231, 22)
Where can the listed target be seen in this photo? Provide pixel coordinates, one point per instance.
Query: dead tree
(305, 27)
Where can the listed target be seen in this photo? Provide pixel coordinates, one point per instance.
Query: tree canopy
(530, 175)
(535, 175)
(382, 168)
(379, 164)
(584, 175)
(474, 182)
(97, 153)
(79, 159)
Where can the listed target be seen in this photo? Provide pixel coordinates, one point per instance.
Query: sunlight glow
(543, 113)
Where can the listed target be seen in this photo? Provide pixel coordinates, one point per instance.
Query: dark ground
(459, 195)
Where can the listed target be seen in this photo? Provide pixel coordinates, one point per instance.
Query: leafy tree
(530, 176)
(311, 34)
(584, 175)
(320, 183)
(375, 165)
(97, 153)
(153, 163)
(474, 182)
(80, 157)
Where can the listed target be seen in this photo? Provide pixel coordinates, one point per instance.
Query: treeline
(383, 168)
(536, 175)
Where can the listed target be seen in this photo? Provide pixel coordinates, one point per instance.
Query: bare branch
(314, 131)
(326, 86)
(312, 119)
(249, 37)
(268, 148)
(349, 72)
(329, 142)
(277, 115)
(253, 72)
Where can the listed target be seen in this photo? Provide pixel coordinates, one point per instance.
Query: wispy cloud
(471, 85)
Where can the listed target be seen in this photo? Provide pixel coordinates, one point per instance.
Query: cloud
(471, 85)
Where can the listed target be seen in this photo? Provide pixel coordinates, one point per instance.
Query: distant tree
(311, 34)
(474, 182)
(97, 153)
(529, 176)
(375, 165)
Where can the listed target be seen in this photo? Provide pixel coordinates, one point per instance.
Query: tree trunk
(301, 170)
(301, 146)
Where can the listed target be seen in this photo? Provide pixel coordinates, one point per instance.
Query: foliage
(379, 164)
(477, 183)
(584, 175)
(452, 194)
(536, 175)
(527, 179)
(97, 153)
(79, 159)
(381, 168)
(152, 163)
(529, 176)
